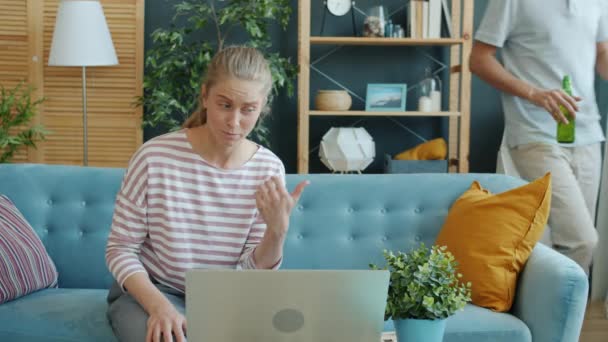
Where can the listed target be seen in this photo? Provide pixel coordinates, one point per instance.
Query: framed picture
(385, 97)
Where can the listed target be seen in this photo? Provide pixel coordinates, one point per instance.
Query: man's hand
(164, 323)
(275, 204)
(550, 100)
(484, 64)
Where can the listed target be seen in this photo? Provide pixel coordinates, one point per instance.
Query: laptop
(286, 305)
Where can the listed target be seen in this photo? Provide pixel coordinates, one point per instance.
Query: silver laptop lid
(286, 305)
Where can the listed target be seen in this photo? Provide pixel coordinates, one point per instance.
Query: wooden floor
(595, 327)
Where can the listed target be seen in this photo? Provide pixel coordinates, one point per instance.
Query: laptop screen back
(286, 305)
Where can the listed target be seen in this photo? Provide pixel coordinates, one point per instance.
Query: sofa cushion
(25, 266)
(57, 315)
(492, 236)
(435, 149)
(479, 324)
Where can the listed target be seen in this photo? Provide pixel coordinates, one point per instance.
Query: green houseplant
(181, 53)
(423, 291)
(17, 109)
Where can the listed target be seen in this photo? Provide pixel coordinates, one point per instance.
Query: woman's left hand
(275, 204)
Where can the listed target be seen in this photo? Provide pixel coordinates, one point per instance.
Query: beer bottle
(565, 132)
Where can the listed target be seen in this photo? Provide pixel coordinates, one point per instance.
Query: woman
(201, 197)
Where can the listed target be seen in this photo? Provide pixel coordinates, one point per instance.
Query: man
(542, 41)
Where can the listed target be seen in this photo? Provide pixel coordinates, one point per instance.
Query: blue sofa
(341, 222)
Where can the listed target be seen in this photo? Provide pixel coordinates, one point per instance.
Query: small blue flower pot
(419, 330)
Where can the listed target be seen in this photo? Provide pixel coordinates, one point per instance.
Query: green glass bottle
(565, 132)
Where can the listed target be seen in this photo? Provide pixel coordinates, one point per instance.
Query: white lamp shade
(346, 149)
(81, 36)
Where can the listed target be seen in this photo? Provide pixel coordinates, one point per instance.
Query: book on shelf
(411, 20)
(448, 17)
(418, 21)
(434, 19)
(425, 18)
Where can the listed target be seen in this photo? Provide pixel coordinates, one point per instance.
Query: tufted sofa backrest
(70, 207)
(341, 221)
(346, 221)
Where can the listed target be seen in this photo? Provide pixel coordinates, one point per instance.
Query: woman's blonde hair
(239, 62)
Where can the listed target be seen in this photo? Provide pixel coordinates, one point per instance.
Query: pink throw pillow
(25, 266)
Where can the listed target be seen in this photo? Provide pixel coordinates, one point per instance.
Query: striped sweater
(175, 211)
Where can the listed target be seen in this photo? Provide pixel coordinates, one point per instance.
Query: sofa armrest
(551, 296)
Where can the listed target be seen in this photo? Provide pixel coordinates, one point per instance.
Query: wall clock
(339, 8)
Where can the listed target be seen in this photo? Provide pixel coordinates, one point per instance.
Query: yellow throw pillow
(491, 237)
(435, 149)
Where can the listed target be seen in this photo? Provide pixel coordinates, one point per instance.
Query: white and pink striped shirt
(176, 212)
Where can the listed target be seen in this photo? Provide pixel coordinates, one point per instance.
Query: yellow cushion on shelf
(491, 237)
(435, 149)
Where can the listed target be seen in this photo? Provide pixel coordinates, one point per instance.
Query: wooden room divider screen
(114, 123)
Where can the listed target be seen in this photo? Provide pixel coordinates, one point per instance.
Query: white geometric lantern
(347, 149)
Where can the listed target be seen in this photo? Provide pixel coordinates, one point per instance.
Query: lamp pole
(82, 38)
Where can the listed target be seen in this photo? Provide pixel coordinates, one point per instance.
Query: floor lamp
(82, 38)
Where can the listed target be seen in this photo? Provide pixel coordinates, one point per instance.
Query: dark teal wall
(357, 66)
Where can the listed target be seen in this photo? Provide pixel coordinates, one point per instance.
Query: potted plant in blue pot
(423, 291)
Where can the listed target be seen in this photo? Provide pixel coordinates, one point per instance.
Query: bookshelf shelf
(384, 41)
(368, 113)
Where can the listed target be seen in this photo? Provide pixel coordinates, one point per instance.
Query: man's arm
(485, 65)
(601, 63)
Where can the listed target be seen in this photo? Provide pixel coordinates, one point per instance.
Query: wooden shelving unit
(315, 40)
(459, 84)
(364, 113)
